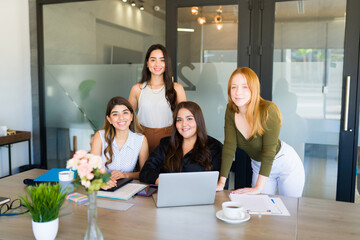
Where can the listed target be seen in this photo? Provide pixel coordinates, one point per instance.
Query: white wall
(15, 84)
(79, 32)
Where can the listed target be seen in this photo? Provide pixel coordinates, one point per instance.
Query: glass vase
(93, 231)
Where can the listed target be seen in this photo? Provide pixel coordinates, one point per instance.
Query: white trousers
(287, 173)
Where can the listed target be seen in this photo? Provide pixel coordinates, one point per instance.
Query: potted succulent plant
(44, 205)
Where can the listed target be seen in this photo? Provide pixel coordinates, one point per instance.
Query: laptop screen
(186, 188)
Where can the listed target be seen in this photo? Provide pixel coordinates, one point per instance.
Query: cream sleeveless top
(154, 109)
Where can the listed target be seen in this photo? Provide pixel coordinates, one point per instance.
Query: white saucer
(220, 215)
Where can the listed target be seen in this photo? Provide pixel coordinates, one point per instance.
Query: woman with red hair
(253, 124)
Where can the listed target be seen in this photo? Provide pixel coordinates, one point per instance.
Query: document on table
(261, 204)
(115, 205)
(123, 193)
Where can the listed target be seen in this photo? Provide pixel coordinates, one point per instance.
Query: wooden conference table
(310, 219)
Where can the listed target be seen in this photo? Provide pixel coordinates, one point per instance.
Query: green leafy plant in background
(85, 88)
(45, 201)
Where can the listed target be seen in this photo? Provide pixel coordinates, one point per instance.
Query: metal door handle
(347, 97)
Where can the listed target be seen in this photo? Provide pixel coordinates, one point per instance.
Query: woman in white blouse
(156, 96)
(121, 143)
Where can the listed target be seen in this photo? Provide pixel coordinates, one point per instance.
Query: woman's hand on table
(253, 190)
(260, 183)
(110, 184)
(221, 184)
(116, 174)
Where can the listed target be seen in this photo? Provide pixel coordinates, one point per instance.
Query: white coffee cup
(3, 131)
(233, 210)
(65, 181)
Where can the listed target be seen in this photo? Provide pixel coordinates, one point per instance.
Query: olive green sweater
(259, 148)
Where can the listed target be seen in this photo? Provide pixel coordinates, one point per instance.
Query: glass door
(304, 51)
(310, 85)
(208, 40)
(206, 57)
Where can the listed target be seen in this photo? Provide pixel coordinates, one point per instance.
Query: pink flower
(90, 176)
(80, 154)
(84, 168)
(85, 164)
(94, 161)
(72, 163)
(85, 183)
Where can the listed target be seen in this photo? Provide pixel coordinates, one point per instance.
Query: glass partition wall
(206, 57)
(307, 86)
(93, 50)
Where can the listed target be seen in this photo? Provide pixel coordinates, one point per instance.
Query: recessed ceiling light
(156, 8)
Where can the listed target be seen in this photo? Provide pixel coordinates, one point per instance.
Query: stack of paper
(261, 204)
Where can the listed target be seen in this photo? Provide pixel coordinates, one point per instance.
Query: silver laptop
(187, 188)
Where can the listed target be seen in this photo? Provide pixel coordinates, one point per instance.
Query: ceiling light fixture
(194, 10)
(201, 20)
(218, 18)
(133, 3)
(156, 8)
(185, 30)
(219, 26)
(141, 8)
(124, 1)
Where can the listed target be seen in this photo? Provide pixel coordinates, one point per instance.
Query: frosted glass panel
(82, 91)
(94, 50)
(207, 55)
(307, 86)
(210, 93)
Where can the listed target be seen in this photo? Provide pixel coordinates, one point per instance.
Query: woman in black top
(188, 149)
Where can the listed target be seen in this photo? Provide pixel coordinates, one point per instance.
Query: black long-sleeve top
(154, 164)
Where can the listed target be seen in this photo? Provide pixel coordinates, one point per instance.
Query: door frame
(348, 143)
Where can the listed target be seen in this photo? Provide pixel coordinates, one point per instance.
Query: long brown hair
(200, 153)
(110, 130)
(170, 92)
(258, 109)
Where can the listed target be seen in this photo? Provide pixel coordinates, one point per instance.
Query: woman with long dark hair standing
(120, 143)
(156, 96)
(253, 124)
(188, 149)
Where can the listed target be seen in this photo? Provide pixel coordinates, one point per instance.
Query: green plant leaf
(44, 201)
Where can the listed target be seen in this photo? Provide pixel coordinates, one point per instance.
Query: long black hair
(200, 152)
(170, 92)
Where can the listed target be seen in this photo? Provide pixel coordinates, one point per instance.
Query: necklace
(156, 91)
